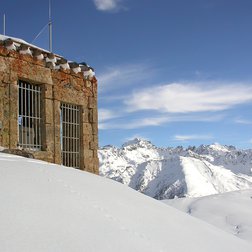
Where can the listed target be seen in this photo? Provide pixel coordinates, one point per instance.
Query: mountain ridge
(164, 173)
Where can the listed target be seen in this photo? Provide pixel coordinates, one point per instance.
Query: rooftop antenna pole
(50, 27)
(3, 24)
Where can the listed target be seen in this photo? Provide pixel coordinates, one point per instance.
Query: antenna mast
(50, 27)
(3, 24)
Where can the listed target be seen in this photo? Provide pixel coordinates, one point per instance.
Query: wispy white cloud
(188, 98)
(116, 77)
(135, 104)
(107, 114)
(109, 5)
(184, 138)
(128, 123)
(242, 121)
(154, 121)
(134, 124)
(103, 126)
(195, 117)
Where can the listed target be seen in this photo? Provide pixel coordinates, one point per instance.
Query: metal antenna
(50, 27)
(41, 31)
(3, 24)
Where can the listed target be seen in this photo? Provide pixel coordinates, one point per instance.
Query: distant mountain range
(166, 173)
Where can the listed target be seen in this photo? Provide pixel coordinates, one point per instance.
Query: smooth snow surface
(176, 172)
(21, 41)
(46, 207)
(231, 211)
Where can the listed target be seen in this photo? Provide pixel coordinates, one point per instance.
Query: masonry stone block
(85, 115)
(88, 153)
(4, 65)
(93, 115)
(48, 111)
(94, 129)
(87, 129)
(95, 141)
(48, 91)
(91, 102)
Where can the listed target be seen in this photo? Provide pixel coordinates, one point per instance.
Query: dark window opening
(29, 115)
(70, 135)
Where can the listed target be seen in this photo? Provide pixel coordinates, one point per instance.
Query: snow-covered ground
(231, 211)
(164, 173)
(46, 207)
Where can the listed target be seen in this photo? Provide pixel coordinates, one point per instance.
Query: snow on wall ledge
(46, 207)
(53, 61)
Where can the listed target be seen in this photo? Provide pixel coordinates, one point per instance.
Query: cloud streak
(127, 123)
(114, 78)
(184, 138)
(107, 114)
(243, 121)
(133, 124)
(135, 106)
(188, 98)
(108, 5)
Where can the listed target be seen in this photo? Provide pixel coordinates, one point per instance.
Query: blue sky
(174, 72)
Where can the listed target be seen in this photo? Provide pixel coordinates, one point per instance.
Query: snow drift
(46, 207)
(231, 211)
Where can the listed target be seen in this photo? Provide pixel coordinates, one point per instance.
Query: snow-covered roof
(53, 60)
(18, 42)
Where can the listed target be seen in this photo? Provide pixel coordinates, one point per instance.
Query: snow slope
(231, 211)
(46, 207)
(166, 173)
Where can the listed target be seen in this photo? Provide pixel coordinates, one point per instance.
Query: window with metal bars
(29, 115)
(70, 135)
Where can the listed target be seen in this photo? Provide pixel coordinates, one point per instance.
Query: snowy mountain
(47, 207)
(164, 173)
(230, 211)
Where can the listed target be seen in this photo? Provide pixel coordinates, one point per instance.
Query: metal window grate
(70, 135)
(29, 116)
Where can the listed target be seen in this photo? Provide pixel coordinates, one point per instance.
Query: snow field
(48, 207)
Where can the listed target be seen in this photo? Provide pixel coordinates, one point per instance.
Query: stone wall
(58, 86)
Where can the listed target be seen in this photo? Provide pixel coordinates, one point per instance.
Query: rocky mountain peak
(177, 172)
(138, 142)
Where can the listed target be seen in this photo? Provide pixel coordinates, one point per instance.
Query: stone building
(48, 106)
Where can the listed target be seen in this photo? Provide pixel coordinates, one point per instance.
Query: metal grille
(70, 135)
(29, 116)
